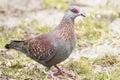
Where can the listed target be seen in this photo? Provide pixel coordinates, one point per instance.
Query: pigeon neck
(66, 29)
(68, 16)
(66, 22)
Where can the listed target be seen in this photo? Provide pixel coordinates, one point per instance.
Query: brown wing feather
(40, 48)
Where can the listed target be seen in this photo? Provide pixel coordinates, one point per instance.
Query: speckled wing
(40, 48)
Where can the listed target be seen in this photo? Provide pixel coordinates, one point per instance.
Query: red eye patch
(74, 10)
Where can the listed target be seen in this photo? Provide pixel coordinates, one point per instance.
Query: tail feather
(15, 45)
(7, 46)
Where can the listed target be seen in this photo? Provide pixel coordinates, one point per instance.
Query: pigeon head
(73, 12)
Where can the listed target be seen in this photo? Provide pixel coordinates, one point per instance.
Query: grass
(115, 75)
(88, 69)
(21, 73)
(82, 68)
(19, 67)
(107, 60)
(59, 4)
(108, 12)
(90, 30)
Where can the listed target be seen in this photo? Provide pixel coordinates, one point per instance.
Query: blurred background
(97, 53)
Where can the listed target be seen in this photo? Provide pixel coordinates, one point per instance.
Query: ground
(97, 53)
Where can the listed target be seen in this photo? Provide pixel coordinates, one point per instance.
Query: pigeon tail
(17, 45)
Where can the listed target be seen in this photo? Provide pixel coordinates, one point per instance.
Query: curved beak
(82, 15)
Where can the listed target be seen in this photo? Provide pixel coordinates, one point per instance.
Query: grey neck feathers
(69, 16)
(67, 20)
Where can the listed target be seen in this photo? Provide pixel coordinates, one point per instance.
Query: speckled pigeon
(52, 47)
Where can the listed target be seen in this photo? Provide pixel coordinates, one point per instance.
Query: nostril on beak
(82, 15)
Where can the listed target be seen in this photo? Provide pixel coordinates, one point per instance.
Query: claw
(63, 72)
(50, 73)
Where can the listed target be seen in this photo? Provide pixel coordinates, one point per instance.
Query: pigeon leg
(50, 73)
(62, 71)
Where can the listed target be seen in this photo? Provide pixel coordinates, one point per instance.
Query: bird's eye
(74, 10)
